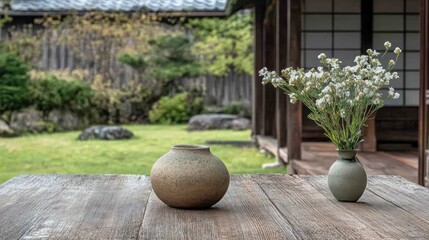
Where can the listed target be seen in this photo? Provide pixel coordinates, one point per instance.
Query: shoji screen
(398, 21)
(332, 27)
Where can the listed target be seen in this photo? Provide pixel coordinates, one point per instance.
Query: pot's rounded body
(189, 176)
(347, 178)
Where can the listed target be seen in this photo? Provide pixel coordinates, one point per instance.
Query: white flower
(293, 98)
(391, 92)
(263, 71)
(396, 96)
(321, 56)
(376, 101)
(387, 45)
(343, 113)
(391, 62)
(397, 51)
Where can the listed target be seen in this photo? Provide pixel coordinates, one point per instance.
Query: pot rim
(189, 147)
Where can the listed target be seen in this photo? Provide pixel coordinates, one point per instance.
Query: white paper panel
(347, 22)
(393, 102)
(318, 40)
(398, 83)
(390, 6)
(412, 79)
(318, 5)
(413, 6)
(413, 41)
(347, 6)
(397, 40)
(390, 55)
(346, 56)
(388, 23)
(311, 58)
(411, 97)
(318, 22)
(347, 40)
(412, 61)
(412, 23)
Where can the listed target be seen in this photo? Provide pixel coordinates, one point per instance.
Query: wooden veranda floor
(317, 157)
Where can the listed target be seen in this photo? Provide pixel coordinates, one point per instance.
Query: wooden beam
(257, 88)
(424, 68)
(269, 92)
(159, 14)
(369, 133)
(294, 111)
(281, 63)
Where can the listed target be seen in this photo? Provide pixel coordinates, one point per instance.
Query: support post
(269, 92)
(424, 68)
(258, 47)
(281, 99)
(281, 63)
(294, 111)
(369, 133)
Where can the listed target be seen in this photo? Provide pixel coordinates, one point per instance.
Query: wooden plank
(244, 213)
(281, 63)
(317, 157)
(257, 87)
(424, 72)
(404, 194)
(82, 206)
(378, 213)
(294, 111)
(311, 214)
(370, 140)
(269, 92)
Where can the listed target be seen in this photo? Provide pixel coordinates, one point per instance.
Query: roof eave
(162, 14)
(233, 6)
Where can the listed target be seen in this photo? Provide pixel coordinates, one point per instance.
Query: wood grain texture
(379, 214)
(82, 206)
(312, 215)
(244, 213)
(272, 206)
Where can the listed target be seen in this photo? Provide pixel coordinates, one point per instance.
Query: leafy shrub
(13, 82)
(238, 108)
(52, 93)
(176, 109)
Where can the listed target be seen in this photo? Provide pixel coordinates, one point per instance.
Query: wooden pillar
(424, 68)
(259, 12)
(281, 63)
(369, 132)
(294, 111)
(269, 92)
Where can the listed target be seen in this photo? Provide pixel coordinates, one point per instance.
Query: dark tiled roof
(117, 5)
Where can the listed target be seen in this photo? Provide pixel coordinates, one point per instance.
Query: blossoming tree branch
(340, 98)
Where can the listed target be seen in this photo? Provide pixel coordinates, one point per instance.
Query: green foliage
(52, 93)
(169, 58)
(238, 108)
(134, 61)
(13, 82)
(135, 156)
(172, 58)
(225, 44)
(176, 109)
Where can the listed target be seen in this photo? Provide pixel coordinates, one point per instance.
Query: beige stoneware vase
(189, 176)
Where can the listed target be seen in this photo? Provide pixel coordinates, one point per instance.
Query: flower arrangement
(340, 98)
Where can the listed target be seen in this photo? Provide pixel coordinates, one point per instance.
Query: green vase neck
(347, 154)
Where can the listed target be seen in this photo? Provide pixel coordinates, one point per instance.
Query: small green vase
(347, 178)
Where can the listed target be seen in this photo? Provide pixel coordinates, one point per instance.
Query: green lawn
(61, 153)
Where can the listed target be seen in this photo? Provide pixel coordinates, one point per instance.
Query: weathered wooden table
(255, 207)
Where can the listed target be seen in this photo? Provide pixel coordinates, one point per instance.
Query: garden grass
(61, 153)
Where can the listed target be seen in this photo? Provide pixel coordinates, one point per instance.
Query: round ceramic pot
(347, 178)
(189, 176)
